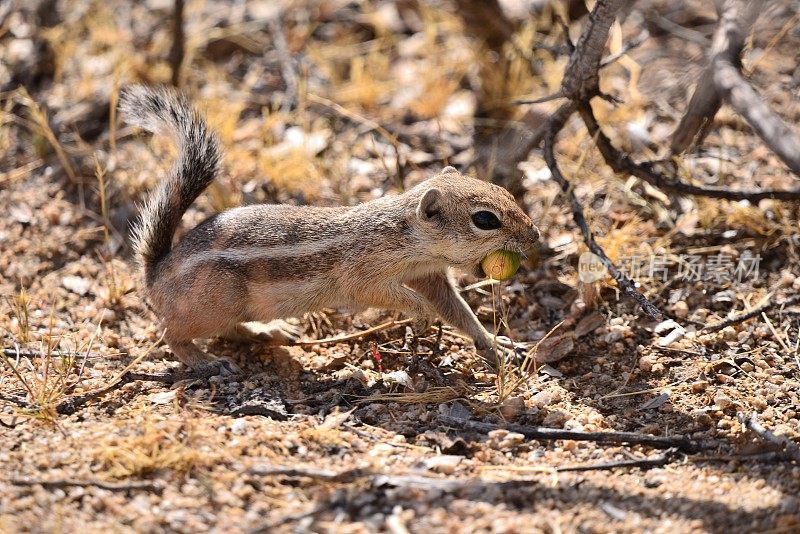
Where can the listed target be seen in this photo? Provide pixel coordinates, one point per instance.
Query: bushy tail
(164, 111)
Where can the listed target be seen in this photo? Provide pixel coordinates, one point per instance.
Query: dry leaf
(589, 324)
(554, 348)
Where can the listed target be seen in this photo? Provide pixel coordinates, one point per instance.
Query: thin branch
(178, 49)
(549, 98)
(626, 47)
(288, 70)
(297, 472)
(735, 22)
(542, 433)
(755, 312)
(769, 126)
(581, 76)
(102, 484)
(623, 164)
(555, 125)
(677, 30)
(788, 446)
(356, 335)
(659, 460)
(13, 353)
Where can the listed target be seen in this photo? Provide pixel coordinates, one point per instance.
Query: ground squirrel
(267, 262)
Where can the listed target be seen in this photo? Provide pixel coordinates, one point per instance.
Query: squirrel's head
(466, 219)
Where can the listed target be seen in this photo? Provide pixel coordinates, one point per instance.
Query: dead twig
(70, 405)
(755, 312)
(101, 484)
(735, 23)
(554, 126)
(178, 49)
(536, 432)
(355, 335)
(746, 101)
(288, 70)
(788, 446)
(14, 353)
(659, 460)
(623, 164)
(581, 76)
(626, 47)
(722, 80)
(677, 30)
(297, 472)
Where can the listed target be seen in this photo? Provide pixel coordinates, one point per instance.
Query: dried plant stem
(132, 485)
(356, 335)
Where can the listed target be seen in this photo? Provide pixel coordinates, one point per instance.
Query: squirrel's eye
(486, 220)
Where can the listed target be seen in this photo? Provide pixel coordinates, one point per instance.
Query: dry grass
(157, 444)
(49, 371)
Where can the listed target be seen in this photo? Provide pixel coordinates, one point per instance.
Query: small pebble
(646, 363)
(680, 309)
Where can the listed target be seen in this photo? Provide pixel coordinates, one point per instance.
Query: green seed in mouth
(501, 264)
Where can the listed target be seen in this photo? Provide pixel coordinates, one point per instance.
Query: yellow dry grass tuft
(159, 443)
(49, 373)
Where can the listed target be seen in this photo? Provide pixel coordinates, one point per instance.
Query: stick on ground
(755, 312)
(537, 432)
(788, 446)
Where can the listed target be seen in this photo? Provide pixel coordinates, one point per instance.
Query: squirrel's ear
(429, 204)
(449, 170)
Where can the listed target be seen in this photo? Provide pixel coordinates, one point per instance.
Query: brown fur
(266, 262)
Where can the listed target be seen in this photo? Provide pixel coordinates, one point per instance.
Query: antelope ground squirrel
(267, 262)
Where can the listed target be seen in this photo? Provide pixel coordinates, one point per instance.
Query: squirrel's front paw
(497, 352)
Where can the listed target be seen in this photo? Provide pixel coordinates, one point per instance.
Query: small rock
(546, 398)
(108, 316)
(728, 333)
(646, 363)
(555, 419)
(681, 309)
(239, 427)
(444, 464)
(721, 400)
(76, 284)
(512, 407)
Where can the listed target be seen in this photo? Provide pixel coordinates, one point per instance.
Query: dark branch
(755, 312)
(102, 484)
(178, 50)
(623, 164)
(743, 98)
(536, 432)
(659, 460)
(581, 76)
(788, 446)
(554, 126)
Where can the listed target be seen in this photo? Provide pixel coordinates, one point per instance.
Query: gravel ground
(371, 433)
